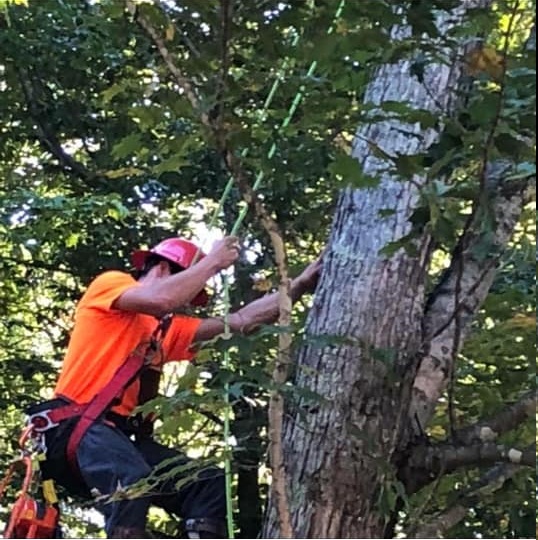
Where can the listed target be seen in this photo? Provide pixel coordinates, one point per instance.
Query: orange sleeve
(109, 286)
(179, 339)
(106, 288)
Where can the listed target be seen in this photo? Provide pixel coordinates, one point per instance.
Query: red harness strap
(102, 401)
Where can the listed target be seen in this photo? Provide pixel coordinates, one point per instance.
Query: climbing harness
(88, 413)
(32, 517)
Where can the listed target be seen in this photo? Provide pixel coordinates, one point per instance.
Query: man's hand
(263, 310)
(308, 278)
(224, 252)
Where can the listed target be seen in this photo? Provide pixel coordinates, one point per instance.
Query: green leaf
(405, 243)
(127, 146)
(483, 112)
(347, 170)
(409, 165)
(385, 355)
(112, 91)
(173, 163)
(72, 240)
(117, 211)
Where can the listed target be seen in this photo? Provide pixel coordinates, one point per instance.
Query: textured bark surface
(339, 452)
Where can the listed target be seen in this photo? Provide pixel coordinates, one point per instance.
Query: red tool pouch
(29, 518)
(32, 519)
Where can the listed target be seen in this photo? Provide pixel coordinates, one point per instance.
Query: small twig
(225, 16)
(456, 342)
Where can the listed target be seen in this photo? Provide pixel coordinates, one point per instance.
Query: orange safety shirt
(103, 338)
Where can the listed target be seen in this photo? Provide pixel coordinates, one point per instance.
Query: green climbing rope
(242, 213)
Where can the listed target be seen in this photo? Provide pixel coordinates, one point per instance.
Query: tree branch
(471, 445)
(225, 21)
(465, 285)
(446, 458)
(46, 135)
(506, 420)
(280, 371)
(490, 482)
(183, 82)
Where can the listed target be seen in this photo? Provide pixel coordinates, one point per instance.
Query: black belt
(38, 417)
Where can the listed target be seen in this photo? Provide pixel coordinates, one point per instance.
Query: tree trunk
(342, 454)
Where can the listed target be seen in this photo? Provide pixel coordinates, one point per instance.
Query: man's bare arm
(263, 310)
(162, 293)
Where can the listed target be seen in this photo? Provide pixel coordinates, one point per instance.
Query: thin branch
(225, 22)
(490, 482)
(46, 136)
(456, 344)
(210, 416)
(280, 372)
(193, 436)
(183, 82)
(471, 445)
(446, 457)
(506, 420)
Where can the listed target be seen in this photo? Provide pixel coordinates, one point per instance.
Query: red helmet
(179, 251)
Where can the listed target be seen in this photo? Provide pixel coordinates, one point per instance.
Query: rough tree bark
(345, 454)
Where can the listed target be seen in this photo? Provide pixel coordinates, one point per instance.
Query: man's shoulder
(112, 276)
(110, 279)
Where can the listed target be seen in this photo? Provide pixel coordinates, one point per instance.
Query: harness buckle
(41, 421)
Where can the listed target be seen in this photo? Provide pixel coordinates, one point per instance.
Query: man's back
(103, 337)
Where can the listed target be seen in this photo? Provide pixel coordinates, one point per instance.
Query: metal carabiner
(37, 437)
(41, 421)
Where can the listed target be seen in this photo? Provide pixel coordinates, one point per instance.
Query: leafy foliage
(102, 151)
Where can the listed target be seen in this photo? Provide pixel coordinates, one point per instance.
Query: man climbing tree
(400, 397)
(94, 445)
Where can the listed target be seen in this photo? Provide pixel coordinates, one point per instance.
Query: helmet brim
(138, 258)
